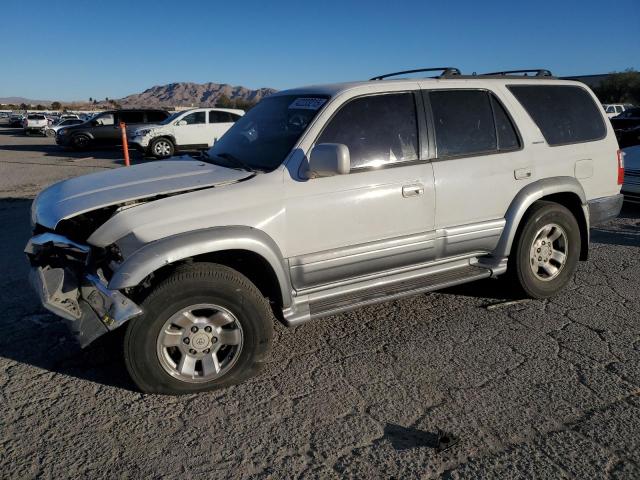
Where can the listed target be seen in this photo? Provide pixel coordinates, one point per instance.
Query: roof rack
(538, 72)
(446, 72)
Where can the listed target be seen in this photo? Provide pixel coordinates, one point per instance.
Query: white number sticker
(307, 103)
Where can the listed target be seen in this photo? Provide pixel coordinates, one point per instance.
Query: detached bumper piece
(82, 299)
(605, 209)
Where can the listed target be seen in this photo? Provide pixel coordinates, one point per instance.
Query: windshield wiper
(233, 159)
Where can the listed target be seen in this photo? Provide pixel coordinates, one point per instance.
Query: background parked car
(627, 127)
(631, 185)
(196, 129)
(15, 120)
(104, 128)
(613, 109)
(34, 123)
(53, 129)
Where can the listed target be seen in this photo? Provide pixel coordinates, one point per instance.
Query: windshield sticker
(307, 103)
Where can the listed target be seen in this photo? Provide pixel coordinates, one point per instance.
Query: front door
(191, 130)
(378, 217)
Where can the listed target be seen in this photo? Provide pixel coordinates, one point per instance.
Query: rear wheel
(162, 148)
(546, 250)
(205, 327)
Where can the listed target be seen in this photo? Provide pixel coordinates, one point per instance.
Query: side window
(131, 117)
(507, 136)
(234, 117)
(463, 122)
(618, 109)
(195, 118)
(155, 117)
(378, 130)
(564, 114)
(610, 109)
(219, 117)
(106, 119)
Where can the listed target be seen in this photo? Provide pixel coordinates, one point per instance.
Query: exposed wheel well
(572, 202)
(250, 264)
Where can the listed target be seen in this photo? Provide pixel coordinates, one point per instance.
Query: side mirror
(181, 123)
(328, 159)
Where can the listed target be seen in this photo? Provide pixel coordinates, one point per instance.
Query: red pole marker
(125, 145)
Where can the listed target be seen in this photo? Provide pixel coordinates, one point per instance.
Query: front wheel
(80, 142)
(50, 133)
(162, 148)
(546, 250)
(205, 327)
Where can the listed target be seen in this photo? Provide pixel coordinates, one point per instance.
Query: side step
(347, 298)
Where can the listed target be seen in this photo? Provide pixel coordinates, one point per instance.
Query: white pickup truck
(35, 122)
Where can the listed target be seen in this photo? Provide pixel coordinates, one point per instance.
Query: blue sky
(73, 50)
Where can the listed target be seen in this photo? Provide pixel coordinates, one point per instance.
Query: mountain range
(183, 94)
(186, 94)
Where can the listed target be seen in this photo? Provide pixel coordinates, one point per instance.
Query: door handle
(412, 190)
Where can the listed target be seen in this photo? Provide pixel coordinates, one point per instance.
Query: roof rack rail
(446, 72)
(539, 72)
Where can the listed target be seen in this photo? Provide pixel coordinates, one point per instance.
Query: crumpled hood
(82, 194)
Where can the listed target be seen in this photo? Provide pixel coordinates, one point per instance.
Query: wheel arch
(248, 250)
(565, 191)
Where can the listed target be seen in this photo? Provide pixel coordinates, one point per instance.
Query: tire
(50, 133)
(243, 343)
(80, 142)
(162, 148)
(546, 250)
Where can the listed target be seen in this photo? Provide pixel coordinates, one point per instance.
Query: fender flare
(159, 253)
(526, 197)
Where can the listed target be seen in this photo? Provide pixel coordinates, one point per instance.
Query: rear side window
(378, 129)
(564, 114)
(463, 122)
(131, 117)
(221, 117)
(153, 117)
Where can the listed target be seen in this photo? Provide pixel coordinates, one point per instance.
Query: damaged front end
(69, 278)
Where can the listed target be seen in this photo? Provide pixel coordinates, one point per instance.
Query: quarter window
(565, 114)
(195, 118)
(379, 130)
(463, 122)
(507, 136)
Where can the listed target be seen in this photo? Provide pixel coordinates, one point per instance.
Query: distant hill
(19, 100)
(186, 94)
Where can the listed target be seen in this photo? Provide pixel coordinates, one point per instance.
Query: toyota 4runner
(323, 199)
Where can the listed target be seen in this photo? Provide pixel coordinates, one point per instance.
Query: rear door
(478, 167)
(219, 123)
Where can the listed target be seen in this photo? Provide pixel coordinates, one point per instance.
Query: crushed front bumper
(76, 294)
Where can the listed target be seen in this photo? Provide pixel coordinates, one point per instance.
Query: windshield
(170, 118)
(263, 137)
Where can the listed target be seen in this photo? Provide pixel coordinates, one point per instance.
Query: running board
(348, 297)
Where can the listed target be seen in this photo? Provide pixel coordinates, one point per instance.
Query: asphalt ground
(525, 389)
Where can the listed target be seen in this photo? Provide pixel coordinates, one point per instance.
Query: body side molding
(525, 198)
(168, 250)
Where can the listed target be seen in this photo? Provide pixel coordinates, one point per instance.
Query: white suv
(196, 129)
(322, 199)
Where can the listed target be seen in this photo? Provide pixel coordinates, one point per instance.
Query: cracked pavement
(531, 389)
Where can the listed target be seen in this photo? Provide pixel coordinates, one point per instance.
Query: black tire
(162, 148)
(191, 285)
(80, 141)
(539, 215)
(50, 132)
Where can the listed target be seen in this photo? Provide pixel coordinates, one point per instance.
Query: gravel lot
(531, 389)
